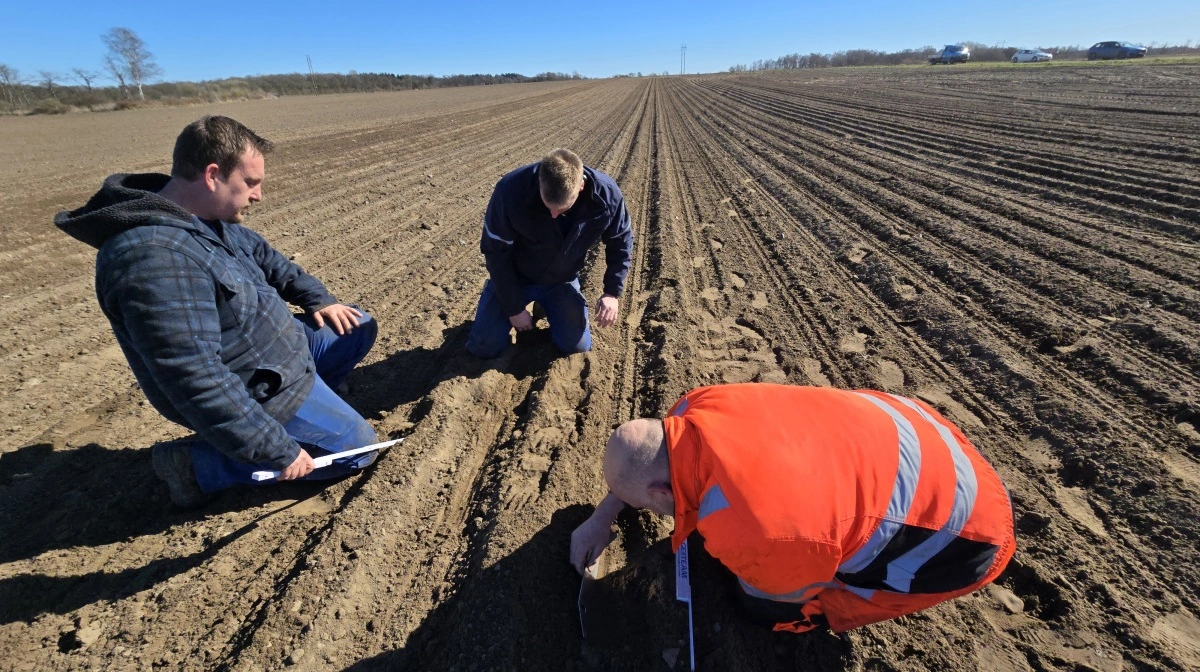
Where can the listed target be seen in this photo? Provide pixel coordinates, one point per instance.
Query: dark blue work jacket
(522, 245)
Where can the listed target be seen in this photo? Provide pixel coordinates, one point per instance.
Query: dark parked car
(1103, 51)
(953, 53)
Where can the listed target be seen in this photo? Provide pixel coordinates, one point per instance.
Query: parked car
(1103, 51)
(1031, 56)
(953, 53)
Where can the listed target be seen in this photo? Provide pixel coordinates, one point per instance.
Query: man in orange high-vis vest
(831, 507)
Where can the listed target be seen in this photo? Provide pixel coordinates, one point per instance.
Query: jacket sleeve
(618, 250)
(497, 242)
(167, 302)
(293, 284)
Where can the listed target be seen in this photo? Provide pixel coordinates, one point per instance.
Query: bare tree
(117, 73)
(128, 59)
(10, 82)
(46, 78)
(84, 77)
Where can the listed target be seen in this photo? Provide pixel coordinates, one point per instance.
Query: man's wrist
(289, 456)
(610, 507)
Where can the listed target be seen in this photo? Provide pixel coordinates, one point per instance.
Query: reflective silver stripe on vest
(494, 236)
(903, 491)
(798, 596)
(902, 569)
(864, 593)
(681, 409)
(712, 501)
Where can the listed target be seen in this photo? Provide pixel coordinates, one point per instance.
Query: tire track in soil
(1106, 370)
(766, 249)
(847, 245)
(947, 252)
(509, 462)
(907, 146)
(363, 290)
(961, 132)
(974, 250)
(835, 139)
(257, 619)
(276, 224)
(1085, 128)
(557, 420)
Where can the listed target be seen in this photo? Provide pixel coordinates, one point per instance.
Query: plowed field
(1020, 247)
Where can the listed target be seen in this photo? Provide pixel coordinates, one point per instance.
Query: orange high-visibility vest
(862, 506)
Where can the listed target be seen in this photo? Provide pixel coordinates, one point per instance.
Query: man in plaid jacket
(197, 303)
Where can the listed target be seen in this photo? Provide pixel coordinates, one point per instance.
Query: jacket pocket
(236, 299)
(264, 383)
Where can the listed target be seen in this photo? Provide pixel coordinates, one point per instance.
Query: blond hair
(560, 175)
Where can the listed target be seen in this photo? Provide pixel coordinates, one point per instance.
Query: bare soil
(1020, 247)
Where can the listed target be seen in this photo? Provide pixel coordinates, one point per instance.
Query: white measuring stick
(683, 593)
(326, 460)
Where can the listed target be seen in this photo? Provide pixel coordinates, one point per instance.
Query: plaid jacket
(202, 319)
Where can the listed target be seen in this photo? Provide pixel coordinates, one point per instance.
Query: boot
(173, 464)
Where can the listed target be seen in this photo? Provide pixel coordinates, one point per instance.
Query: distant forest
(52, 94)
(131, 66)
(920, 56)
(128, 62)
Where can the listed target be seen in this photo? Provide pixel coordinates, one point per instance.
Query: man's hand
(299, 468)
(589, 540)
(522, 321)
(342, 319)
(606, 310)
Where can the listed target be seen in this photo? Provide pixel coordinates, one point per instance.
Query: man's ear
(662, 497)
(212, 173)
(660, 488)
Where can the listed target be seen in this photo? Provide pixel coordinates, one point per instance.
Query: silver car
(1031, 56)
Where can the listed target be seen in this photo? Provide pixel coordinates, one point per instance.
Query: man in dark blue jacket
(197, 304)
(542, 220)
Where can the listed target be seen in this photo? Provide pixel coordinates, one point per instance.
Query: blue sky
(596, 39)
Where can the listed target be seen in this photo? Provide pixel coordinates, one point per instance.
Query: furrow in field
(845, 242)
(964, 233)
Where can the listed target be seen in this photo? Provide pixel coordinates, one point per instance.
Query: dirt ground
(1020, 247)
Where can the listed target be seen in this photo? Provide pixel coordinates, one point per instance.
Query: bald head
(636, 466)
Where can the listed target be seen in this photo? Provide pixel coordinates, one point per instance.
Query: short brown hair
(559, 176)
(213, 139)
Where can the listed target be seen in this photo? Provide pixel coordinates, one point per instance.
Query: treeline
(128, 63)
(51, 94)
(919, 56)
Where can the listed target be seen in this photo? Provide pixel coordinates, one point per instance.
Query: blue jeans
(324, 423)
(566, 311)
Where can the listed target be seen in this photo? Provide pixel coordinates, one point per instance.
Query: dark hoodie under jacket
(201, 319)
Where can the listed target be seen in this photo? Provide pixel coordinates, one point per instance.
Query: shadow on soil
(92, 496)
(407, 376)
(521, 614)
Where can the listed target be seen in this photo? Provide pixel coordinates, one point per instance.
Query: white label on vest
(683, 586)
